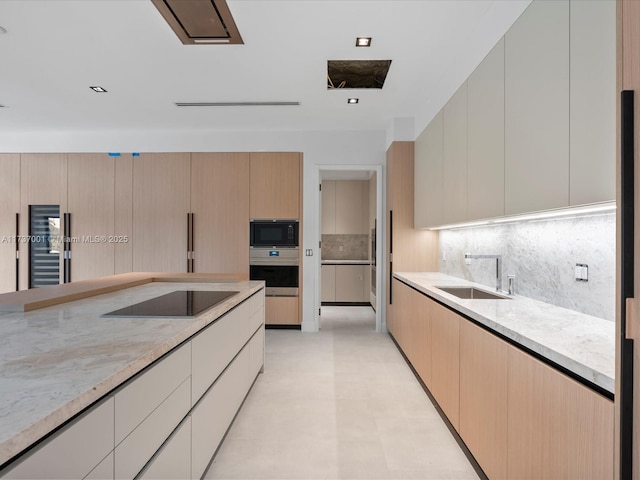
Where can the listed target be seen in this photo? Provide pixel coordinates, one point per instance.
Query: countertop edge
(588, 373)
(33, 299)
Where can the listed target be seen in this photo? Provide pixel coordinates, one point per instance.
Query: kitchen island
(60, 363)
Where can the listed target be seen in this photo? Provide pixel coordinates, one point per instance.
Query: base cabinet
(171, 462)
(445, 361)
(282, 311)
(483, 398)
(557, 428)
(68, 454)
(519, 417)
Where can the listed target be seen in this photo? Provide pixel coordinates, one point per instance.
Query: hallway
(339, 404)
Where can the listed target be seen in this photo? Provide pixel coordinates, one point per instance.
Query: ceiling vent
(357, 73)
(200, 22)
(236, 104)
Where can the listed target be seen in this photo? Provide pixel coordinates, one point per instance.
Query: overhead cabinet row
(532, 128)
(170, 212)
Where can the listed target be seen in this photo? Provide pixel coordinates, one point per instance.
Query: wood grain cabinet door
(10, 201)
(483, 398)
(160, 207)
(91, 178)
(275, 185)
(220, 204)
(557, 428)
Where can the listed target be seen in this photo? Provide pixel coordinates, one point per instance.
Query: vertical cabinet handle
(390, 257)
(192, 246)
(17, 252)
(190, 243)
(66, 239)
(627, 174)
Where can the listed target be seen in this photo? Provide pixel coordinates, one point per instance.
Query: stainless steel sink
(473, 293)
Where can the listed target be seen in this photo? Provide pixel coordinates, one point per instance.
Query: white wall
(319, 148)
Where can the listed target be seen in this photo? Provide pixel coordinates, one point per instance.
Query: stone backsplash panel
(345, 247)
(542, 255)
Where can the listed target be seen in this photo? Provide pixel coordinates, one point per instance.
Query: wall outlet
(581, 272)
(467, 261)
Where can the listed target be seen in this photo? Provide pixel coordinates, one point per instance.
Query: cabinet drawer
(138, 447)
(256, 354)
(213, 415)
(214, 348)
(135, 401)
(255, 302)
(256, 320)
(103, 471)
(68, 452)
(174, 460)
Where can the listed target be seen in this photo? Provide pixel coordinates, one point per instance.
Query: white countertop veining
(583, 344)
(56, 361)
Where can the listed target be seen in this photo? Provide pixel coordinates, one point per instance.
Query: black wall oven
(273, 233)
(278, 267)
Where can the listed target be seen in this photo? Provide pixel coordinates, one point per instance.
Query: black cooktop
(181, 303)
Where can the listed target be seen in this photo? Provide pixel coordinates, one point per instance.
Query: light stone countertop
(58, 360)
(346, 262)
(583, 344)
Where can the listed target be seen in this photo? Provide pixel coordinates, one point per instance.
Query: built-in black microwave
(273, 233)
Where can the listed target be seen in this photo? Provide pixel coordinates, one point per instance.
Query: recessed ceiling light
(98, 89)
(352, 100)
(363, 41)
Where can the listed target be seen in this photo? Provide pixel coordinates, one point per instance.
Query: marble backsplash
(345, 247)
(542, 255)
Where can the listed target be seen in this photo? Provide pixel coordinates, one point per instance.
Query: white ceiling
(54, 50)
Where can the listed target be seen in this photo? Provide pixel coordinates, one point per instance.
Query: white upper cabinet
(592, 102)
(428, 175)
(485, 137)
(455, 158)
(537, 109)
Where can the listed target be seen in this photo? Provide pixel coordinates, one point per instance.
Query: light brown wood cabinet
(160, 206)
(328, 287)
(345, 207)
(557, 428)
(282, 311)
(445, 360)
(519, 417)
(220, 204)
(123, 213)
(275, 185)
(91, 183)
(408, 249)
(10, 201)
(483, 398)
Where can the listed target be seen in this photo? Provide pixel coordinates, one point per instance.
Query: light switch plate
(582, 272)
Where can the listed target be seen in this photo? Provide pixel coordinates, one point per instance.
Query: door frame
(380, 240)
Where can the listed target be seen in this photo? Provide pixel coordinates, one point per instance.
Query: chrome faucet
(498, 259)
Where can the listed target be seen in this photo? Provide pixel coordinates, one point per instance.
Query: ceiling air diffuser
(200, 22)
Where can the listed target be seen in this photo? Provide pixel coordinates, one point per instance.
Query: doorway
(350, 213)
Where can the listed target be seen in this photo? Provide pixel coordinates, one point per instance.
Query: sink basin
(472, 293)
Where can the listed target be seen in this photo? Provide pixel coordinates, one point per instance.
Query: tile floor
(338, 404)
